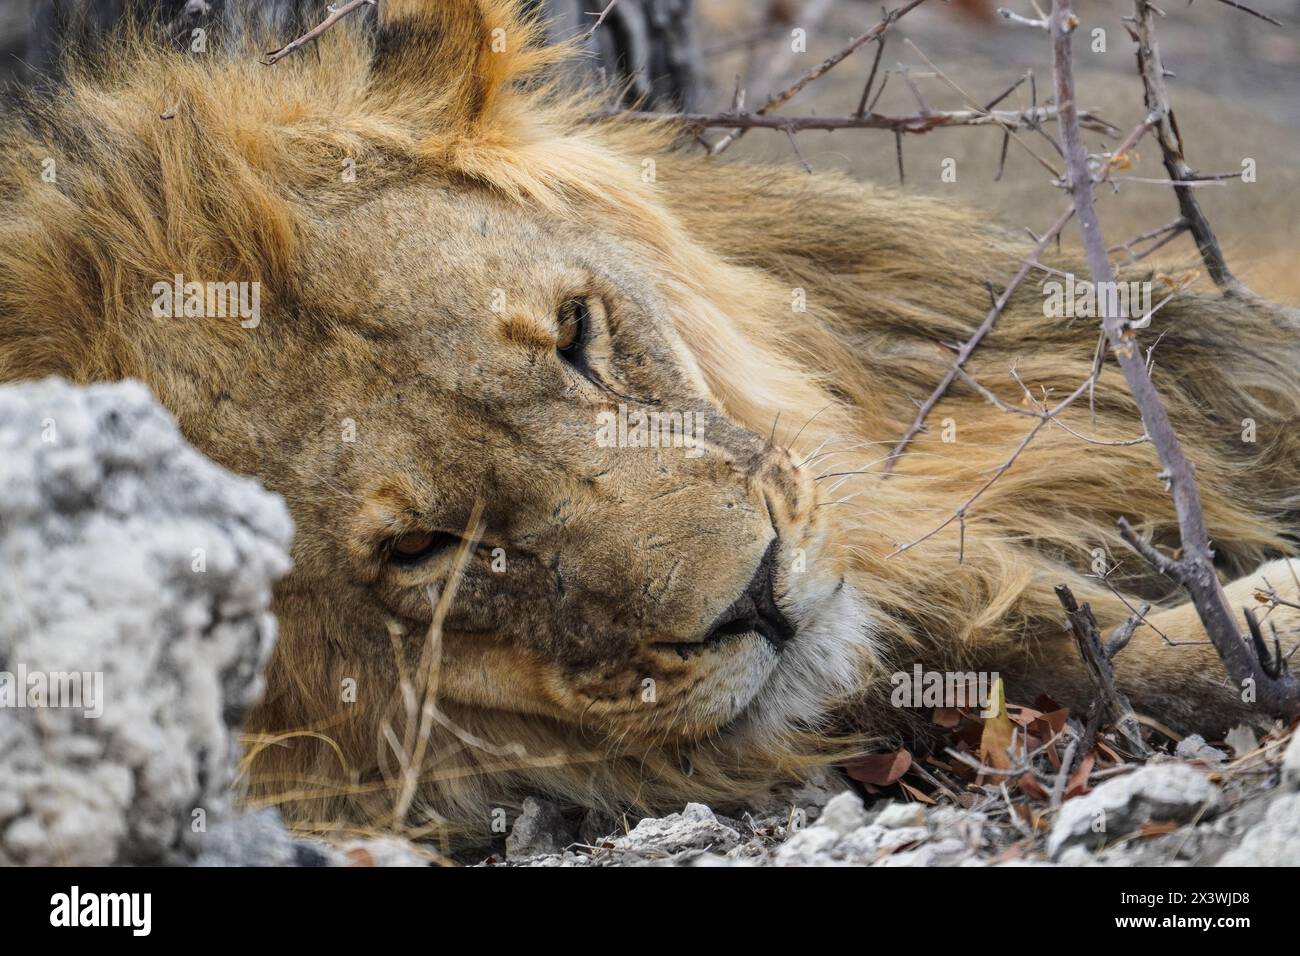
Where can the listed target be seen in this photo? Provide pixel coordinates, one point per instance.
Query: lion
(472, 297)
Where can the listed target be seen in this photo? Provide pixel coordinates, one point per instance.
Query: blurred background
(1235, 93)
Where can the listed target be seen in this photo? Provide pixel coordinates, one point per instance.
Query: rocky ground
(1170, 813)
(129, 555)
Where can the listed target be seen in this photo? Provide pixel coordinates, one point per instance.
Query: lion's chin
(753, 690)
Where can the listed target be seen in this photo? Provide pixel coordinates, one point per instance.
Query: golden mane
(215, 165)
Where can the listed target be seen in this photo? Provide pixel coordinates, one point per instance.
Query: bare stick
(871, 78)
(921, 122)
(809, 18)
(970, 345)
(1248, 662)
(335, 15)
(1013, 17)
(780, 99)
(1044, 416)
(1000, 303)
(599, 20)
(1162, 234)
(1097, 656)
(431, 661)
(1152, 70)
(1253, 12)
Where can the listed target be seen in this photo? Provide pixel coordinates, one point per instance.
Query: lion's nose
(756, 609)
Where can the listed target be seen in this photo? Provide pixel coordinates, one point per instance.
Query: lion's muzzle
(756, 610)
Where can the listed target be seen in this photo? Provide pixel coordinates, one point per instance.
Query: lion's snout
(756, 610)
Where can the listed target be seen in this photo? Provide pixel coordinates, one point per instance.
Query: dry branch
(1247, 662)
(335, 15)
(1152, 71)
(1252, 11)
(921, 122)
(1044, 416)
(999, 305)
(1097, 656)
(780, 99)
(600, 18)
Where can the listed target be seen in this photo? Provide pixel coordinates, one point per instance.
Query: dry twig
(334, 16)
(780, 99)
(921, 122)
(1181, 174)
(1249, 662)
(1097, 657)
(1000, 303)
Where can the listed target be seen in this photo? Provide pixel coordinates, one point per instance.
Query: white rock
(1275, 840)
(695, 828)
(809, 847)
(951, 852)
(844, 813)
(901, 815)
(1194, 747)
(1117, 807)
(867, 844)
(1291, 763)
(962, 824)
(540, 830)
(102, 505)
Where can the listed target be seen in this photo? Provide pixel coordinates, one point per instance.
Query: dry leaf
(995, 741)
(879, 769)
(1031, 788)
(1155, 828)
(946, 716)
(917, 794)
(1077, 785)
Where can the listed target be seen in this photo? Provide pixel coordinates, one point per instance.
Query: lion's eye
(574, 319)
(418, 545)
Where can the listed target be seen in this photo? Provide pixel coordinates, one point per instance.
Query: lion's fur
(243, 175)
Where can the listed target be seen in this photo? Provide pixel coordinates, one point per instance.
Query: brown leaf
(995, 741)
(1022, 715)
(879, 769)
(1077, 785)
(360, 856)
(1030, 786)
(1051, 723)
(917, 794)
(946, 716)
(1154, 828)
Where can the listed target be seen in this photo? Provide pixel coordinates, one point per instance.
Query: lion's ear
(445, 64)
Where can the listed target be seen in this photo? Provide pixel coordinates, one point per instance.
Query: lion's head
(644, 564)
(496, 379)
